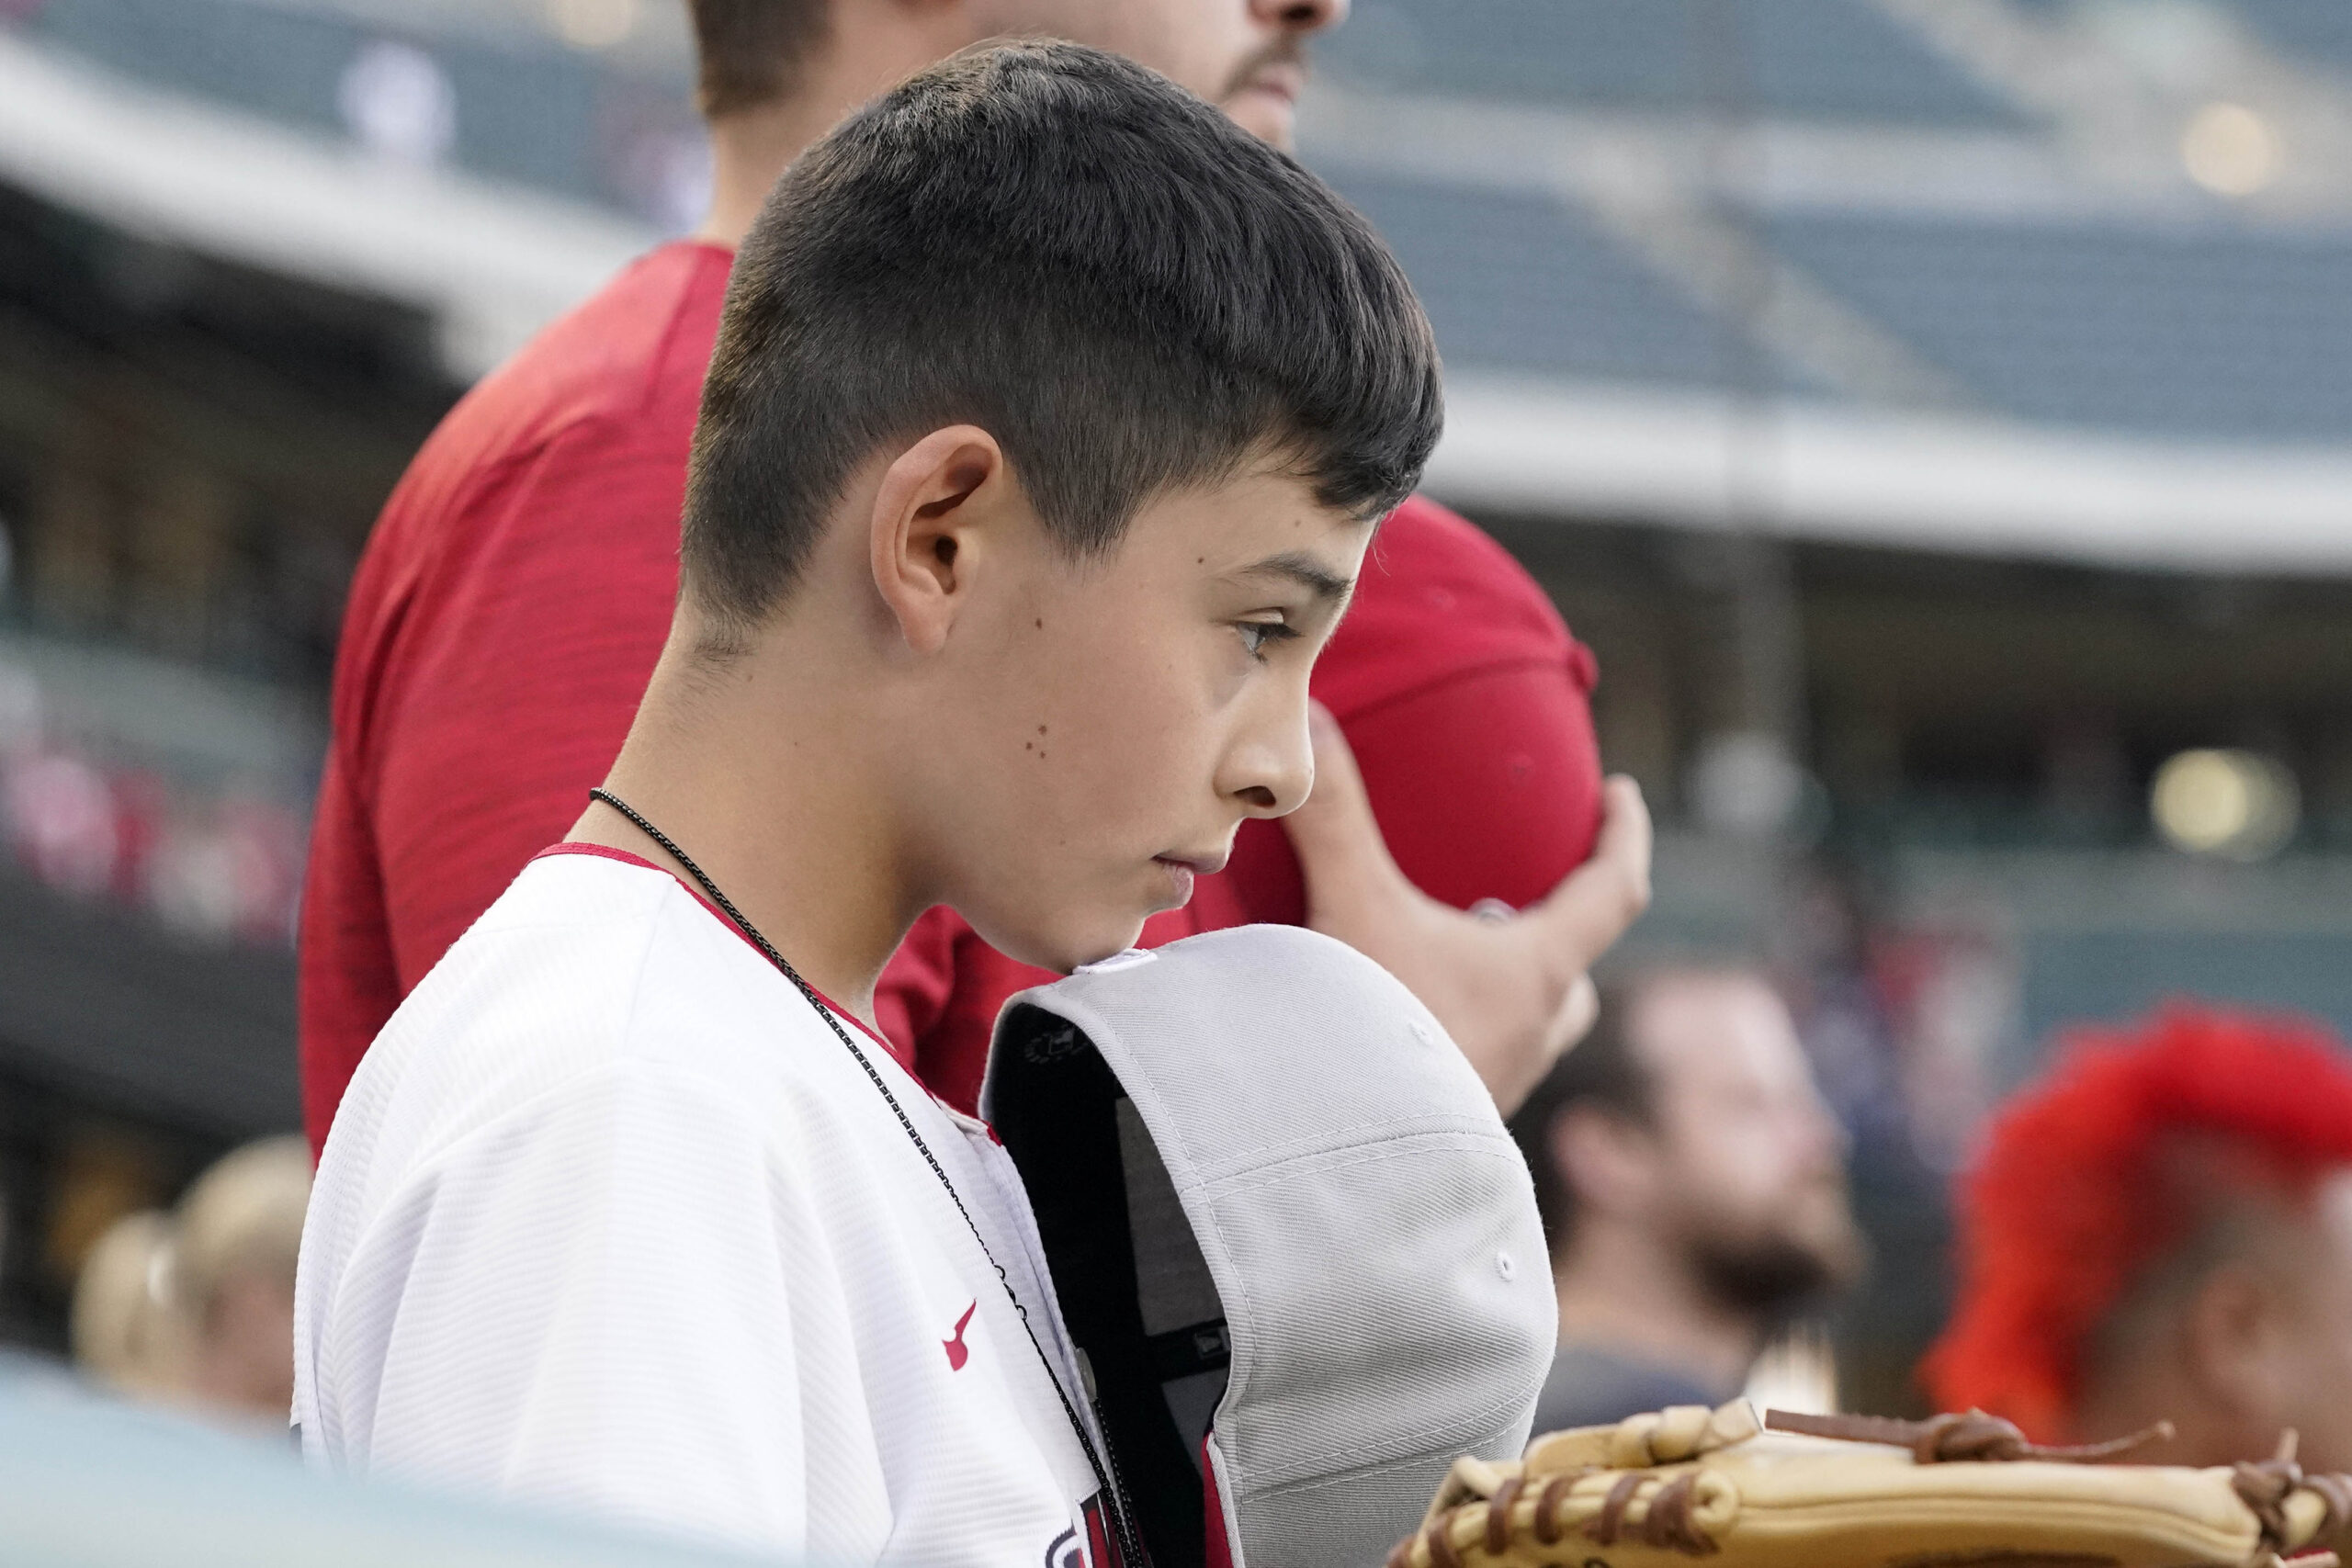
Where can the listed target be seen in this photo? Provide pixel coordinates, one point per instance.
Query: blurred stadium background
(1936, 413)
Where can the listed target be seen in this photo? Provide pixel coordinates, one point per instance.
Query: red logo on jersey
(957, 1352)
(1098, 1547)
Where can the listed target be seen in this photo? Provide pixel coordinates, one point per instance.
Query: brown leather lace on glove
(1957, 1491)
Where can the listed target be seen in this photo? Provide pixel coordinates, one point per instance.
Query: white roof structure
(1975, 485)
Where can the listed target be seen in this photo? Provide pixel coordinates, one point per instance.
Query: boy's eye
(1257, 635)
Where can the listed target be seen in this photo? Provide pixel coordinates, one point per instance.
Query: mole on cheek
(1041, 626)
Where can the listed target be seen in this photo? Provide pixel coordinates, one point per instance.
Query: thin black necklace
(1130, 1545)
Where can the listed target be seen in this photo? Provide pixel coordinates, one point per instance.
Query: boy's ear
(941, 505)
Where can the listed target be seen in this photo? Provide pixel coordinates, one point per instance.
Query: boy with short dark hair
(1050, 419)
(536, 536)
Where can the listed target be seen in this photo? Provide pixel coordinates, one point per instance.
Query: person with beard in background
(1692, 1186)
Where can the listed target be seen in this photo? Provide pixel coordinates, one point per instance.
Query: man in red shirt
(516, 591)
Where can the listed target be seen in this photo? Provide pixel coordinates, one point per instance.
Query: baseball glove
(1861, 1491)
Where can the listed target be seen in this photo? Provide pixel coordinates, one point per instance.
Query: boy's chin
(1077, 954)
(1063, 948)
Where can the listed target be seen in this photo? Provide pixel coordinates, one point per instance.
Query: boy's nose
(1273, 775)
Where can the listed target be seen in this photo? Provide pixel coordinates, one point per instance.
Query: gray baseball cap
(1288, 1232)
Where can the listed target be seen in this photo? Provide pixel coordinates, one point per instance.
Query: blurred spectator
(124, 1332)
(229, 867)
(240, 1233)
(1692, 1187)
(199, 1306)
(65, 822)
(2161, 1228)
(217, 862)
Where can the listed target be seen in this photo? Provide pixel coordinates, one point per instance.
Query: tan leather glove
(1860, 1491)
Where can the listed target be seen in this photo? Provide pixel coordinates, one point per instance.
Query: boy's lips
(1183, 869)
(1201, 865)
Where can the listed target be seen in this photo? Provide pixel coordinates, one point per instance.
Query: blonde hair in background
(193, 1307)
(242, 1216)
(124, 1330)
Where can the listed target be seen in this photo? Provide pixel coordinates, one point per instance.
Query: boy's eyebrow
(1298, 566)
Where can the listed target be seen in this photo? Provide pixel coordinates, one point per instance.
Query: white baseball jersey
(611, 1221)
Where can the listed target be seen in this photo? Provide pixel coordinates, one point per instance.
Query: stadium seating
(1516, 283)
(2309, 32)
(1807, 59)
(2221, 332)
(2217, 332)
(2312, 31)
(526, 109)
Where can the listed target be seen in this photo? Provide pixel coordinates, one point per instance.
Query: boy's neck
(796, 839)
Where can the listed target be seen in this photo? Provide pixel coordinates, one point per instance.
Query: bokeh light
(398, 103)
(2231, 150)
(592, 24)
(2237, 804)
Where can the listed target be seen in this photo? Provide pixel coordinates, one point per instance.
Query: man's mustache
(1283, 52)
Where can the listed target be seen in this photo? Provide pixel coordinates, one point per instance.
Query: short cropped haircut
(751, 52)
(1129, 292)
(1600, 1071)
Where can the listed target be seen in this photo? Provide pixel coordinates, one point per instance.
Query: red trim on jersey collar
(605, 852)
(1220, 1544)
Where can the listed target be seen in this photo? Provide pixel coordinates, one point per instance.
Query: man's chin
(1774, 1275)
(1272, 118)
